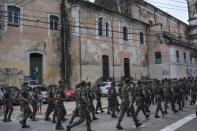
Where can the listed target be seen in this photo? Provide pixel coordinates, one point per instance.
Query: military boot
(119, 127)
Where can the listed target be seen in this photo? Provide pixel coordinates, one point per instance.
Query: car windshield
(104, 84)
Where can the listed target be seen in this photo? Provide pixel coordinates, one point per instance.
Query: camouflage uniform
(140, 100)
(25, 104)
(8, 107)
(158, 98)
(127, 100)
(51, 104)
(112, 100)
(83, 106)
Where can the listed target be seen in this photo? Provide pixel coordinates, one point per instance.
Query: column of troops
(134, 96)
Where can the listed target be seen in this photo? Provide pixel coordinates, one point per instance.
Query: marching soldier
(140, 100)
(84, 105)
(127, 101)
(98, 99)
(51, 104)
(8, 106)
(34, 104)
(76, 111)
(91, 97)
(158, 95)
(112, 100)
(25, 104)
(60, 109)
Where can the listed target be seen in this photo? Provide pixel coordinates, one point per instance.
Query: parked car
(105, 87)
(70, 94)
(43, 90)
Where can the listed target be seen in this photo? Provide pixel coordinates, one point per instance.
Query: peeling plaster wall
(93, 47)
(18, 42)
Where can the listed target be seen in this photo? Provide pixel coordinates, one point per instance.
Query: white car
(105, 87)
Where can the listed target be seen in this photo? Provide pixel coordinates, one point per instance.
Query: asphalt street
(106, 123)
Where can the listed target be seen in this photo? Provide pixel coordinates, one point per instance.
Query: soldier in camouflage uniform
(51, 104)
(169, 96)
(83, 105)
(34, 104)
(112, 100)
(140, 100)
(98, 99)
(25, 104)
(8, 107)
(91, 97)
(60, 109)
(76, 110)
(126, 102)
(158, 98)
(147, 96)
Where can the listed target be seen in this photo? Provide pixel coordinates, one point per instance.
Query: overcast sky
(176, 8)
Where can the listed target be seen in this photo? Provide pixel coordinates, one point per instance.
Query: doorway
(36, 67)
(105, 60)
(127, 67)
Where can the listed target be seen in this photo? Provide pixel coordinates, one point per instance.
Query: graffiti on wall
(11, 76)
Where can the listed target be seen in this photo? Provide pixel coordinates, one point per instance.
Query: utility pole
(65, 46)
(62, 45)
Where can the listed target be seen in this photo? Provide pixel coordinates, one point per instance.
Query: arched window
(54, 22)
(100, 26)
(125, 33)
(141, 38)
(13, 15)
(107, 29)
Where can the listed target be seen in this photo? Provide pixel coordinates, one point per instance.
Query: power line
(115, 31)
(27, 3)
(167, 4)
(20, 2)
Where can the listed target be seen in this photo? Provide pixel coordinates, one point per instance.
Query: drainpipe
(80, 66)
(147, 57)
(113, 46)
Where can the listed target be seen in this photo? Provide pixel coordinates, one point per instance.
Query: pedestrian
(40, 101)
(84, 105)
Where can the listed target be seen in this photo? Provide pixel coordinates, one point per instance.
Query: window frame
(141, 38)
(125, 33)
(107, 29)
(158, 60)
(100, 26)
(52, 25)
(13, 15)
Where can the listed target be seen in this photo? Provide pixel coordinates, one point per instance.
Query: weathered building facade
(29, 44)
(107, 39)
